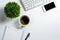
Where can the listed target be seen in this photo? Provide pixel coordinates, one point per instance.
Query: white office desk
(43, 26)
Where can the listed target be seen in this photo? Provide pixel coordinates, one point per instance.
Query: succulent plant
(12, 10)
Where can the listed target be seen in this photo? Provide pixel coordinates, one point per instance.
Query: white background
(43, 26)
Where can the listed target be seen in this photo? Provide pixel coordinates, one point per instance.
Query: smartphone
(49, 6)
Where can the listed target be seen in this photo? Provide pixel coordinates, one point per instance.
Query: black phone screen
(49, 6)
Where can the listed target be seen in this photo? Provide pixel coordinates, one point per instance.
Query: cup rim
(21, 23)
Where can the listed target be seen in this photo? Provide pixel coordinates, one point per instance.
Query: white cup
(24, 20)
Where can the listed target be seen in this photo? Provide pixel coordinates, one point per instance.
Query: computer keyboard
(29, 4)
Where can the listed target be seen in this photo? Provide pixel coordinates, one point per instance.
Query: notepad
(2, 30)
(13, 33)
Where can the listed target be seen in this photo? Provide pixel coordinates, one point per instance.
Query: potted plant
(12, 10)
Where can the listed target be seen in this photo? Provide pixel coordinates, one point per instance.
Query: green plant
(12, 10)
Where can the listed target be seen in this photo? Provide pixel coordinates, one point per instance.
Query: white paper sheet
(13, 34)
(2, 30)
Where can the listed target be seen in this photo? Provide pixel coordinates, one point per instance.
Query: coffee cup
(24, 20)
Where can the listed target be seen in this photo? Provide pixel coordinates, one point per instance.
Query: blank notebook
(13, 34)
(2, 30)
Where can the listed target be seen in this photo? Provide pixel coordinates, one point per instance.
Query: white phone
(48, 6)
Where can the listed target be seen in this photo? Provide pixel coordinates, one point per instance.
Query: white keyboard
(29, 4)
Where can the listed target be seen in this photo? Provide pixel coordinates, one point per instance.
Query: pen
(27, 36)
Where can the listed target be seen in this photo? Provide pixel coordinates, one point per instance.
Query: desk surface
(43, 26)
